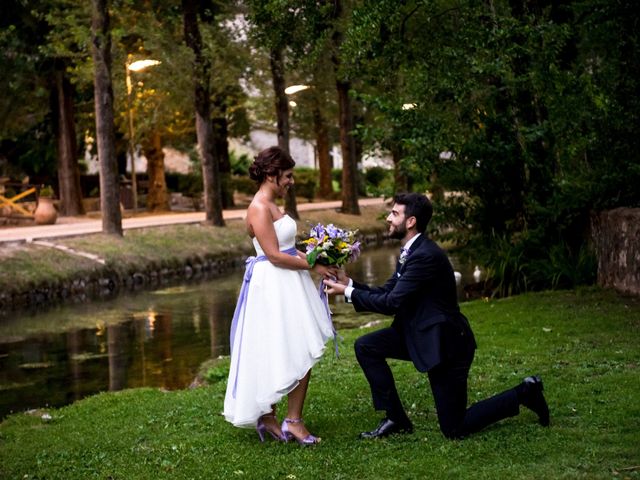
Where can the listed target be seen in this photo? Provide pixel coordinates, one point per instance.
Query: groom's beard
(398, 232)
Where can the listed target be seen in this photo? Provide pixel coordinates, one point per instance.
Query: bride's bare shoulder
(258, 213)
(258, 209)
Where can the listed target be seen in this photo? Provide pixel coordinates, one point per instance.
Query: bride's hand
(342, 277)
(325, 270)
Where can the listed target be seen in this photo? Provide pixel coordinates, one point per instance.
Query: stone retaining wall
(106, 282)
(616, 236)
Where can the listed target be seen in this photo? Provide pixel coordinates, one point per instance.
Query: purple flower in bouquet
(355, 251)
(333, 231)
(317, 231)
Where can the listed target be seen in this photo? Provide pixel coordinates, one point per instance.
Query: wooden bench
(12, 202)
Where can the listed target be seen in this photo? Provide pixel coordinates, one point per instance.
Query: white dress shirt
(349, 290)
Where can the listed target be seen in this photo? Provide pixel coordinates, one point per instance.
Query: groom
(429, 330)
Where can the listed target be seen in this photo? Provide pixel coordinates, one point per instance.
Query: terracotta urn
(45, 213)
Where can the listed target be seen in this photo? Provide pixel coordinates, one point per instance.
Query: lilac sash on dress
(242, 302)
(325, 301)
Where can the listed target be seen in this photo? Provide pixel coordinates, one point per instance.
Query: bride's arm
(260, 221)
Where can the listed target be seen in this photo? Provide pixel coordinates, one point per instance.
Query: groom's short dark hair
(416, 205)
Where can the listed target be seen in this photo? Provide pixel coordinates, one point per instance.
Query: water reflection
(153, 339)
(150, 339)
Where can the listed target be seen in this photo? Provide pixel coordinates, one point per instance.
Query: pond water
(149, 339)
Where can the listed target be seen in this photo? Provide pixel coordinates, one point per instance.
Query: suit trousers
(448, 382)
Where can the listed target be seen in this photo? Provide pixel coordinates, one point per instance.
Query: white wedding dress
(281, 335)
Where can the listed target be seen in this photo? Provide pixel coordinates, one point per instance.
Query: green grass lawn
(584, 344)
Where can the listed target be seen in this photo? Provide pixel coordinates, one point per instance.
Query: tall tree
(67, 49)
(226, 42)
(68, 171)
(347, 140)
(157, 198)
(204, 130)
(25, 118)
(315, 112)
(103, 95)
(323, 147)
(151, 111)
(517, 107)
(271, 23)
(308, 34)
(282, 118)
(35, 62)
(220, 125)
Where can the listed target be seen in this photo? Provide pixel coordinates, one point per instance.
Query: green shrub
(306, 182)
(375, 175)
(191, 184)
(379, 181)
(526, 263)
(336, 182)
(9, 192)
(243, 184)
(336, 176)
(46, 191)
(240, 163)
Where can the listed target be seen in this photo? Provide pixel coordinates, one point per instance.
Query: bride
(280, 326)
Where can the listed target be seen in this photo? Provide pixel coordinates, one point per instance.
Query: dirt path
(74, 226)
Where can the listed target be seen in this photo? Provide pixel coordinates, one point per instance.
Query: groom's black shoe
(387, 427)
(530, 395)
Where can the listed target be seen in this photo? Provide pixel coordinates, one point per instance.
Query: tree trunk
(400, 179)
(614, 235)
(157, 196)
(204, 129)
(103, 97)
(325, 162)
(68, 171)
(357, 119)
(348, 147)
(347, 144)
(282, 116)
(221, 150)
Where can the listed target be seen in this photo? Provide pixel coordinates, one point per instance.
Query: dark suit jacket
(422, 296)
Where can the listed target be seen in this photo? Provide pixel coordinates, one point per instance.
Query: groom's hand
(334, 287)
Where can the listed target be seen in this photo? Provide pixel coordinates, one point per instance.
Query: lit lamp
(294, 89)
(136, 66)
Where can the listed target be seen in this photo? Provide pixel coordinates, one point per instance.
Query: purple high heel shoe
(308, 440)
(261, 428)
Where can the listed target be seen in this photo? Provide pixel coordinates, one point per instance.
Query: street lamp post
(136, 66)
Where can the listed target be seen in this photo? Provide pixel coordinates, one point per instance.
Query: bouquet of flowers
(331, 245)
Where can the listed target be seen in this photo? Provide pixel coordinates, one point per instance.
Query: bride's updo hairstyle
(270, 162)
